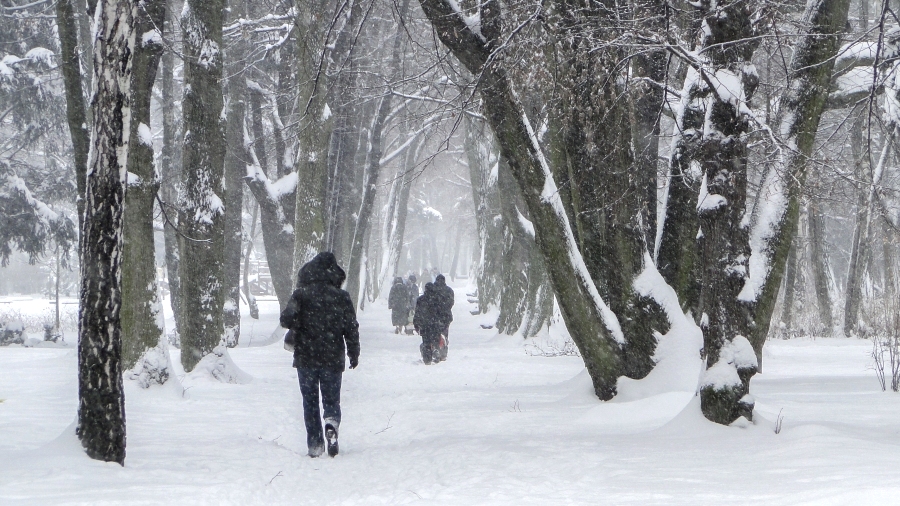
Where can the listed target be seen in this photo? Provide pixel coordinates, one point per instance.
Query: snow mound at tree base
(219, 365)
(153, 368)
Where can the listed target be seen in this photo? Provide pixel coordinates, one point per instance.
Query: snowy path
(492, 425)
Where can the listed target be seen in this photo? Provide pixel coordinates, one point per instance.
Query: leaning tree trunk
(76, 114)
(235, 162)
(859, 247)
(315, 131)
(777, 210)
(202, 212)
(516, 253)
(395, 225)
(593, 327)
(609, 192)
(144, 349)
(101, 399)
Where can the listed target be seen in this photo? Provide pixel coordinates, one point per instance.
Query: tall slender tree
(101, 400)
(201, 215)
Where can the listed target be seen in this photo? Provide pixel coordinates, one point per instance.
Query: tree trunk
(315, 131)
(483, 174)
(76, 114)
(236, 161)
(859, 249)
(170, 171)
(144, 350)
(819, 254)
(776, 213)
(277, 230)
(101, 399)
(202, 213)
(593, 327)
(395, 227)
(251, 299)
(790, 283)
(373, 166)
(516, 253)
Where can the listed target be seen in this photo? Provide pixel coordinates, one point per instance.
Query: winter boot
(332, 436)
(426, 353)
(316, 451)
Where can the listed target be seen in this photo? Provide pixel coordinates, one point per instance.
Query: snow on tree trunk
(594, 328)
(395, 223)
(202, 211)
(101, 400)
(144, 350)
(776, 213)
(315, 125)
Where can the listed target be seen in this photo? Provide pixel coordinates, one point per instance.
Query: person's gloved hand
(354, 362)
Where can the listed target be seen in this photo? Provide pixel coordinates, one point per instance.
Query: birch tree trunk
(144, 351)
(202, 211)
(101, 400)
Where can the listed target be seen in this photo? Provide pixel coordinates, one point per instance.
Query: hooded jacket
(322, 317)
(447, 297)
(428, 320)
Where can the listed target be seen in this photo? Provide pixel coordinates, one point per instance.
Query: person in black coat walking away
(323, 320)
(398, 303)
(447, 297)
(428, 323)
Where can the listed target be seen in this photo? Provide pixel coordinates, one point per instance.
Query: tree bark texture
(202, 211)
(777, 210)
(609, 193)
(483, 175)
(101, 399)
(170, 172)
(144, 348)
(275, 217)
(315, 131)
(236, 161)
(76, 114)
(593, 327)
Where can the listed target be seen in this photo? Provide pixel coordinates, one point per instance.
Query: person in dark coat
(428, 323)
(323, 319)
(413, 294)
(447, 298)
(398, 303)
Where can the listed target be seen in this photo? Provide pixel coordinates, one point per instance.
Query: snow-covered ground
(492, 425)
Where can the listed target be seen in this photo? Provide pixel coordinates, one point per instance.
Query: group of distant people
(322, 324)
(430, 314)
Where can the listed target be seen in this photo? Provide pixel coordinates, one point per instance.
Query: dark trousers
(430, 342)
(311, 382)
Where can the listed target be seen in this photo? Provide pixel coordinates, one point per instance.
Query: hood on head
(440, 280)
(412, 278)
(398, 280)
(322, 268)
(429, 287)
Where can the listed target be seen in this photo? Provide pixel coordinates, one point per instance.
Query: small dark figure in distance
(428, 324)
(398, 303)
(413, 295)
(323, 319)
(447, 298)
